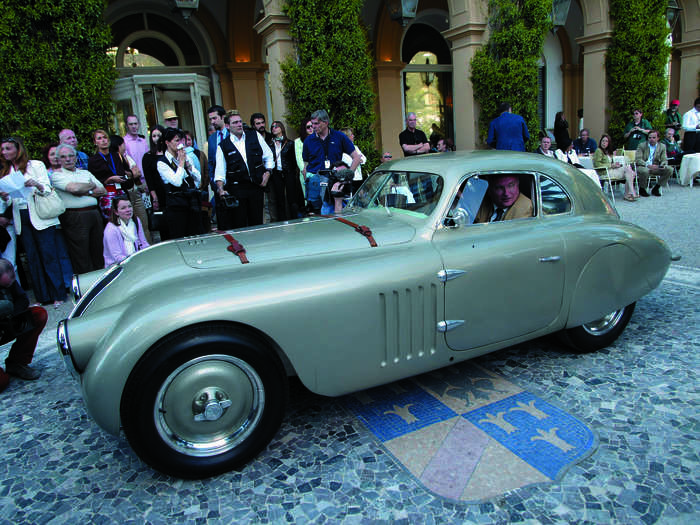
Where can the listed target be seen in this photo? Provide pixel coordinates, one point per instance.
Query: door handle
(551, 258)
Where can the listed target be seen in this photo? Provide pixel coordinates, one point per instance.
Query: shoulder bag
(48, 205)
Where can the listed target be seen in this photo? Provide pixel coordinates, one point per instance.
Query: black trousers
(183, 222)
(249, 211)
(83, 231)
(277, 185)
(691, 142)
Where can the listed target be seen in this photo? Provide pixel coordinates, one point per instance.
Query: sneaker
(643, 192)
(22, 371)
(656, 191)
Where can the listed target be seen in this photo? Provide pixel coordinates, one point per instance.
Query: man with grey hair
(413, 141)
(321, 150)
(82, 221)
(13, 304)
(67, 136)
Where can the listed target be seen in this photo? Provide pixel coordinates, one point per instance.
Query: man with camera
(243, 166)
(321, 150)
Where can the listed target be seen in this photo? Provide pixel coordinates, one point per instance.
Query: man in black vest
(243, 166)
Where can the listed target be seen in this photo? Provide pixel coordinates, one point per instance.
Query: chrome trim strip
(448, 274)
(447, 325)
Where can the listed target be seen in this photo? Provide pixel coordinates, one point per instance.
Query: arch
(129, 16)
(139, 35)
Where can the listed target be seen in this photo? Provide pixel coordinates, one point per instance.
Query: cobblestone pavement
(639, 396)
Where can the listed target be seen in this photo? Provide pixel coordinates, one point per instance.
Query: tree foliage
(636, 62)
(55, 72)
(333, 69)
(506, 68)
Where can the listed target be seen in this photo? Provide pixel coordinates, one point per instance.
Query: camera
(343, 177)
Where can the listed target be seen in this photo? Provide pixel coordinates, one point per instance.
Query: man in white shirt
(82, 221)
(243, 166)
(691, 128)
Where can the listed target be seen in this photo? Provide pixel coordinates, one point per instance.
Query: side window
(554, 198)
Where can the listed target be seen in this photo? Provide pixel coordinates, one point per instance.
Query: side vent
(408, 318)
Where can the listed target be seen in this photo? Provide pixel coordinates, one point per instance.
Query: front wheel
(203, 402)
(599, 333)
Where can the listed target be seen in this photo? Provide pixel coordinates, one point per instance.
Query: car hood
(298, 238)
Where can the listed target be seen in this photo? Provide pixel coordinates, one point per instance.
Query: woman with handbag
(155, 184)
(181, 180)
(285, 176)
(124, 233)
(33, 204)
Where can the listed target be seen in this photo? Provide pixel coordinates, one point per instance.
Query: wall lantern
(402, 10)
(673, 13)
(186, 7)
(560, 12)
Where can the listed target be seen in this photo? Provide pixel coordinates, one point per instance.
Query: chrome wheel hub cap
(604, 324)
(209, 405)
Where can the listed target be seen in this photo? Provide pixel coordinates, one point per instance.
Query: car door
(502, 279)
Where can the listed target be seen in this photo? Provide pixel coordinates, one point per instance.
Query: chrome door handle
(551, 258)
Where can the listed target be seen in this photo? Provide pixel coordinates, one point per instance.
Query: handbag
(48, 205)
(155, 219)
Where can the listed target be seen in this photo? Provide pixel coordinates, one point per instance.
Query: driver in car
(503, 201)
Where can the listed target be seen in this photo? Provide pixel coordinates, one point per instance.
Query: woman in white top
(566, 153)
(307, 129)
(39, 236)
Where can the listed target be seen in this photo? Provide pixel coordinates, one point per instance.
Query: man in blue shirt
(508, 131)
(67, 136)
(584, 145)
(321, 150)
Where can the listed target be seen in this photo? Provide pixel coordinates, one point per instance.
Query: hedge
(506, 68)
(333, 69)
(55, 72)
(636, 62)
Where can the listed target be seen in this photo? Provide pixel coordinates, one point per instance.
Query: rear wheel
(203, 401)
(599, 333)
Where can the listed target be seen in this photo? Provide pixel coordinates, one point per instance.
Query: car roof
(452, 166)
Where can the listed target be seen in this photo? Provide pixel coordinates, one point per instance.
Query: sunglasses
(309, 126)
(9, 139)
(387, 156)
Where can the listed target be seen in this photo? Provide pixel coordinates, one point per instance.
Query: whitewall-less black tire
(203, 401)
(599, 333)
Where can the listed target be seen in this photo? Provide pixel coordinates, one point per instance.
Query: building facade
(229, 52)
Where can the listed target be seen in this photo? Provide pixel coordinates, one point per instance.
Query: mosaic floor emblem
(468, 434)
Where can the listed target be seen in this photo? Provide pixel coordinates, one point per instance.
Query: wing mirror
(457, 218)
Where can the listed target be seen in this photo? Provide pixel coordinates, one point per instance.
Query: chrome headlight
(64, 349)
(75, 288)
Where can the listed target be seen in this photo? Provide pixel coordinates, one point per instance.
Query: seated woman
(603, 158)
(566, 153)
(123, 233)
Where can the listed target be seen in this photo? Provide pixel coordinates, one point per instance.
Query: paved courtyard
(639, 397)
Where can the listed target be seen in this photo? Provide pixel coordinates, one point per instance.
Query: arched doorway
(163, 65)
(427, 78)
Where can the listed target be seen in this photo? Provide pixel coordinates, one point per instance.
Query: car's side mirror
(457, 218)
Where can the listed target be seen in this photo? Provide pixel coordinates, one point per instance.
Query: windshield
(403, 190)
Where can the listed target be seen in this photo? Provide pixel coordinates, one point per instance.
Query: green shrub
(506, 68)
(55, 73)
(333, 69)
(636, 62)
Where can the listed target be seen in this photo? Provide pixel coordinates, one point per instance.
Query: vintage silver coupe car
(188, 344)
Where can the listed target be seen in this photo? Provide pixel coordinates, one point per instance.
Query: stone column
(466, 40)
(277, 46)
(689, 70)
(390, 106)
(595, 83)
(246, 79)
